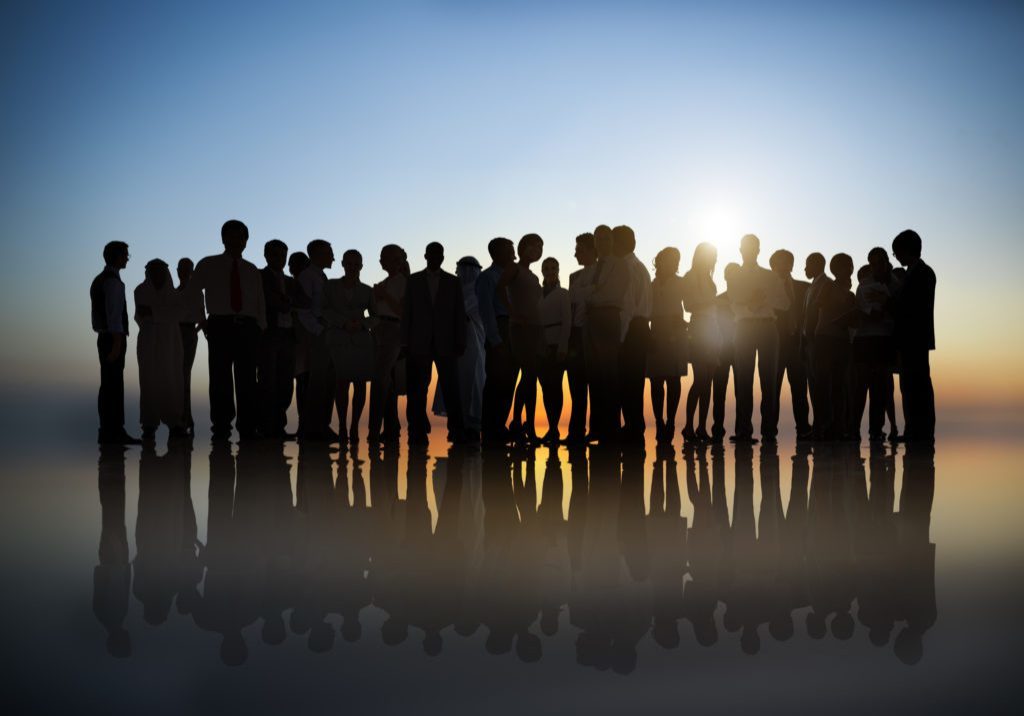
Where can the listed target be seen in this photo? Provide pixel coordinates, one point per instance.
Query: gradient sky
(818, 129)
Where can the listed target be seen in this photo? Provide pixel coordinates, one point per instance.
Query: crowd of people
(485, 543)
(495, 334)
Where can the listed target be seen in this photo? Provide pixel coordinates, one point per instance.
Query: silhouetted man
(112, 577)
(297, 263)
(110, 321)
(236, 315)
(814, 270)
(832, 352)
(758, 295)
(315, 413)
(914, 309)
(500, 368)
(580, 284)
(277, 344)
(790, 325)
(636, 335)
(387, 336)
(193, 314)
(603, 333)
(433, 332)
(726, 353)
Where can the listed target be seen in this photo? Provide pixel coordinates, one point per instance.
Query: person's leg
(692, 398)
(341, 405)
(796, 373)
(417, 380)
(189, 344)
(266, 374)
(285, 371)
(633, 372)
(822, 395)
(222, 405)
(876, 399)
(388, 346)
(703, 375)
(246, 350)
(448, 384)
(767, 368)
(358, 403)
(673, 392)
(720, 387)
(889, 398)
(658, 405)
(301, 392)
(577, 387)
(743, 378)
(392, 426)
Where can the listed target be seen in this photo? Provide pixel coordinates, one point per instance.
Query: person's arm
(485, 290)
(114, 305)
(565, 327)
(305, 313)
(501, 290)
(143, 312)
(403, 324)
(261, 304)
(460, 319)
(369, 322)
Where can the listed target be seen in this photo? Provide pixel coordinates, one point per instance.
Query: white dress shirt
(581, 283)
(312, 281)
(638, 296)
(875, 325)
(213, 277)
(556, 315)
(752, 282)
(610, 283)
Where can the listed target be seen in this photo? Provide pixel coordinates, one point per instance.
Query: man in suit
(913, 307)
(236, 316)
(277, 345)
(636, 335)
(790, 323)
(110, 321)
(501, 371)
(433, 332)
(580, 284)
(814, 270)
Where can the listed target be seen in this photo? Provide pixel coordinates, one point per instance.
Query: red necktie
(236, 287)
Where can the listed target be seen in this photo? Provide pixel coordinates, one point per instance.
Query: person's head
(158, 273)
(906, 247)
(321, 253)
(273, 631)
(528, 647)
(814, 266)
(432, 643)
(391, 258)
(666, 263)
(393, 632)
(434, 255)
(352, 263)
(842, 626)
(881, 267)
(549, 270)
(234, 235)
(603, 240)
(275, 252)
(908, 646)
(781, 262)
(321, 638)
(233, 650)
(531, 248)
(731, 273)
(841, 266)
(705, 256)
(750, 248)
(585, 252)
(297, 263)
(185, 269)
(623, 240)
(864, 273)
(781, 627)
(115, 254)
(501, 250)
(468, 269)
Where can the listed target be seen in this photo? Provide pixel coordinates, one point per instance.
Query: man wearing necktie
(236, 317)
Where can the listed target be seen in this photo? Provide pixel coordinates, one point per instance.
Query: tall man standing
(913, 306)
(319, 390)
(192, 315)
(277, 345)
(814, 270)
(758, 296)
(636, 335)
(110, 321)
(500, 369)
(236, 315)
(390, 298)
(790, 325)
(434, 333)
(580, 284)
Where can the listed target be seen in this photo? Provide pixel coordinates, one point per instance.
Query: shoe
(373, 438)
(149, 434)
(688, 434)
(702, 436)
(743, 440)
(122, 438)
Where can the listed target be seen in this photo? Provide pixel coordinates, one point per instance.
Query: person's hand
(116, 348)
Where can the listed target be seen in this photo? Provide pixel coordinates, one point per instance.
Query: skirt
(705, 339)
(667, 356)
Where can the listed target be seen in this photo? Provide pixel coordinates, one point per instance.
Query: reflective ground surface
(193, 578)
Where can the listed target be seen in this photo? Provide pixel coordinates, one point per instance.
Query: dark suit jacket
(274, 294)
(810, 317)
(434, 327)
(791, 321)
(913, 307)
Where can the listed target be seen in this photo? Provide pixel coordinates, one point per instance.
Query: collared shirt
(556, 315)
(394, 287)
(312, 281)
(581, 283)
(433, 281)
(212, 276)
(283, 318)
(639, 296)
(487, 300)
(610, 283)
(876, 321)
(113, 300)
(760, 287)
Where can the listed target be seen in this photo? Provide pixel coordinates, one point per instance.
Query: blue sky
(817, 128)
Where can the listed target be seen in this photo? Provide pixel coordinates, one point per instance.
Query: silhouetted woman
(699, 295)
(556, 316)
(666, 360)
(521, 288)
(349, 312)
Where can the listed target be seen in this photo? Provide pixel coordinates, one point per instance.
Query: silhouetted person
(874, 349)
(110, 322)
(276, 368)
(726, 353)
(297, 263)
(603, 331)
(471, 362)
(158, 313)
(556, 317)
(522, 290)
(667, 357)
(666, 539)
(350, 312)
(757, 296)
(500, 368)
(581, 282)
(636, 334)
(700, 298)
(706, 541)
(236, 315)
(914, 309)
(193, 314)
(832, 352)
(112, 577)
(433, 332)
(790, 325)
(389, 296)
(315, 413)
(814, 270)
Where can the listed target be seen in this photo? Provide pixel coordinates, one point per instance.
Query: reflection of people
(916, 592)
(113, 575)
(158, 313)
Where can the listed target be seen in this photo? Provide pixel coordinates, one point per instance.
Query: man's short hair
(782, 257)
(274, 245)
(908, 241)
(234, 229)
(495, 244)
(114, 249)
(625, 237)
(816, 261)
(317, 245)
(586, 241)
(878, 252)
